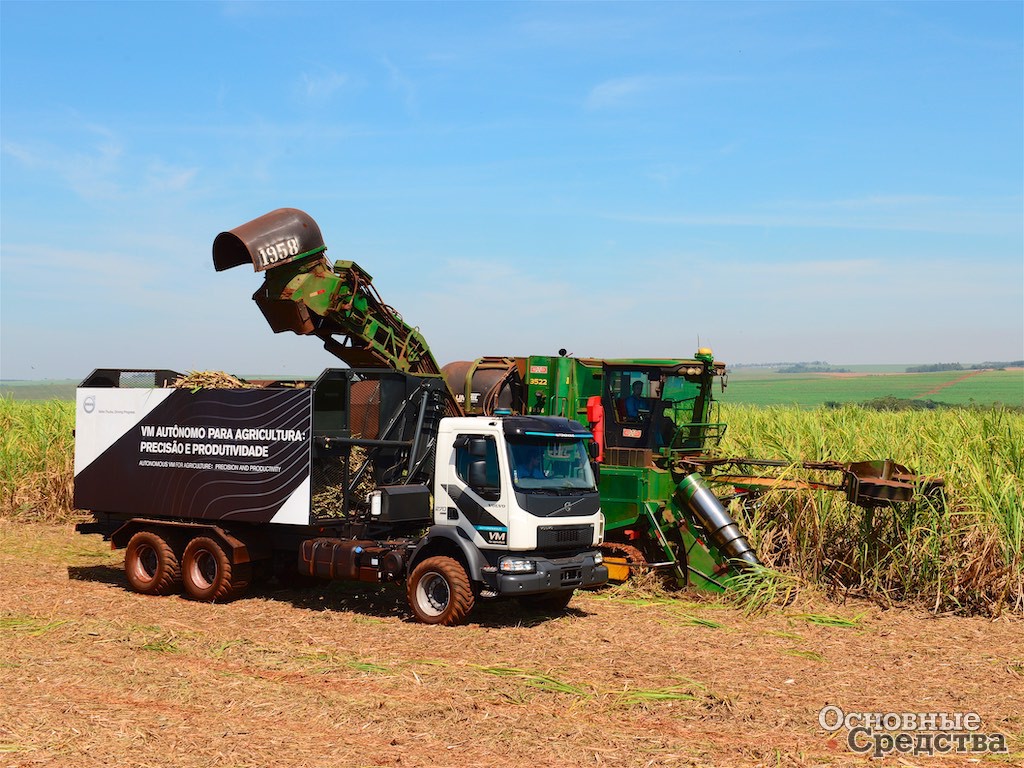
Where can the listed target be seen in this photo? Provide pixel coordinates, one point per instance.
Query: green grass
(538, 680)
(809, 390)
(29, 625)
(50, 389)
(825, 620)
(644, 696)
(1000, 386)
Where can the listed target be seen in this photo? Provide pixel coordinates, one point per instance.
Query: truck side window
(478, 449)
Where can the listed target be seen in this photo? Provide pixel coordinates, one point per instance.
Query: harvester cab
(652, 410)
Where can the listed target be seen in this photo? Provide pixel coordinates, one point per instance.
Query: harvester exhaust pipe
(713, 517)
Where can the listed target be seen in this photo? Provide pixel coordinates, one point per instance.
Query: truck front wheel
(151, 565)
(206, 571)
(439, 591)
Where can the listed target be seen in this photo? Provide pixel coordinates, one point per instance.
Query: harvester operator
(636, 402)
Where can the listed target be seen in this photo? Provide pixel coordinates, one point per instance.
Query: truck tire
(549, 602)
(206, 572)
(439, 591)
(151, 565)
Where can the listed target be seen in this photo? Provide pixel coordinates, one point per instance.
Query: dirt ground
(94, 675)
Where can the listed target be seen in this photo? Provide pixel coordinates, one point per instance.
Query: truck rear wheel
(151, 565)
(439, 591)
(206, 572)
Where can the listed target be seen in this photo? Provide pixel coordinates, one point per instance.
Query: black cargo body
(258, 455)
(212, 454)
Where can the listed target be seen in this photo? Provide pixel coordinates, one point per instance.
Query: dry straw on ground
(93, 674)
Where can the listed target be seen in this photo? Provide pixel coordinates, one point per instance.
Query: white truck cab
(518, 497)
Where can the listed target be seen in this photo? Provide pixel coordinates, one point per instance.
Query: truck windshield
(544, 465)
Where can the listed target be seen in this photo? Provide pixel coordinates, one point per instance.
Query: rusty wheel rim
(146, 563)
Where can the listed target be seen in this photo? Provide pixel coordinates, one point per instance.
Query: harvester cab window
(634, 393)
(682, 395)
(636, 398)
(684, 406)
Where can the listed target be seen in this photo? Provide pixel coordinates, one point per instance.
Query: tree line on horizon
(989, 365)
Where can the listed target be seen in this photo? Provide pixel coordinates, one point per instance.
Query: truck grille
(571, 577)
(564, 536)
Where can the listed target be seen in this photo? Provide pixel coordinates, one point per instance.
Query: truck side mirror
(478, 448)
(478, 474)
(478, 480)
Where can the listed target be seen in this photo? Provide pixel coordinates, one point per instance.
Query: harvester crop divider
(666, 547)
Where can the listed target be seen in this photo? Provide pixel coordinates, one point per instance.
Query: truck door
(474, 488)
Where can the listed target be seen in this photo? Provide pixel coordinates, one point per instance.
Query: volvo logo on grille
(570, 504)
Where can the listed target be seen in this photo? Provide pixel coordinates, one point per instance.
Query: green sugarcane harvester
(653, 421)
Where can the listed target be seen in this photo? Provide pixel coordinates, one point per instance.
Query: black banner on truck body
(213, 454)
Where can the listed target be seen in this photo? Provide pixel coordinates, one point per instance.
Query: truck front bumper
(551, 575)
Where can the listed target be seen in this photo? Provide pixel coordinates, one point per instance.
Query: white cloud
(910, 213)
(90, 173)
(618, 91)
(664, 175)
(162, 177)
(621, 91)
(321, 86)
(93, 163)
(404, 85)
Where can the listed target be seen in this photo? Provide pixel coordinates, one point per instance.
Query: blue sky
(781, 182)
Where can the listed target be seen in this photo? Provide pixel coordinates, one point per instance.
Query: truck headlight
(598, 558)
(509, 565)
